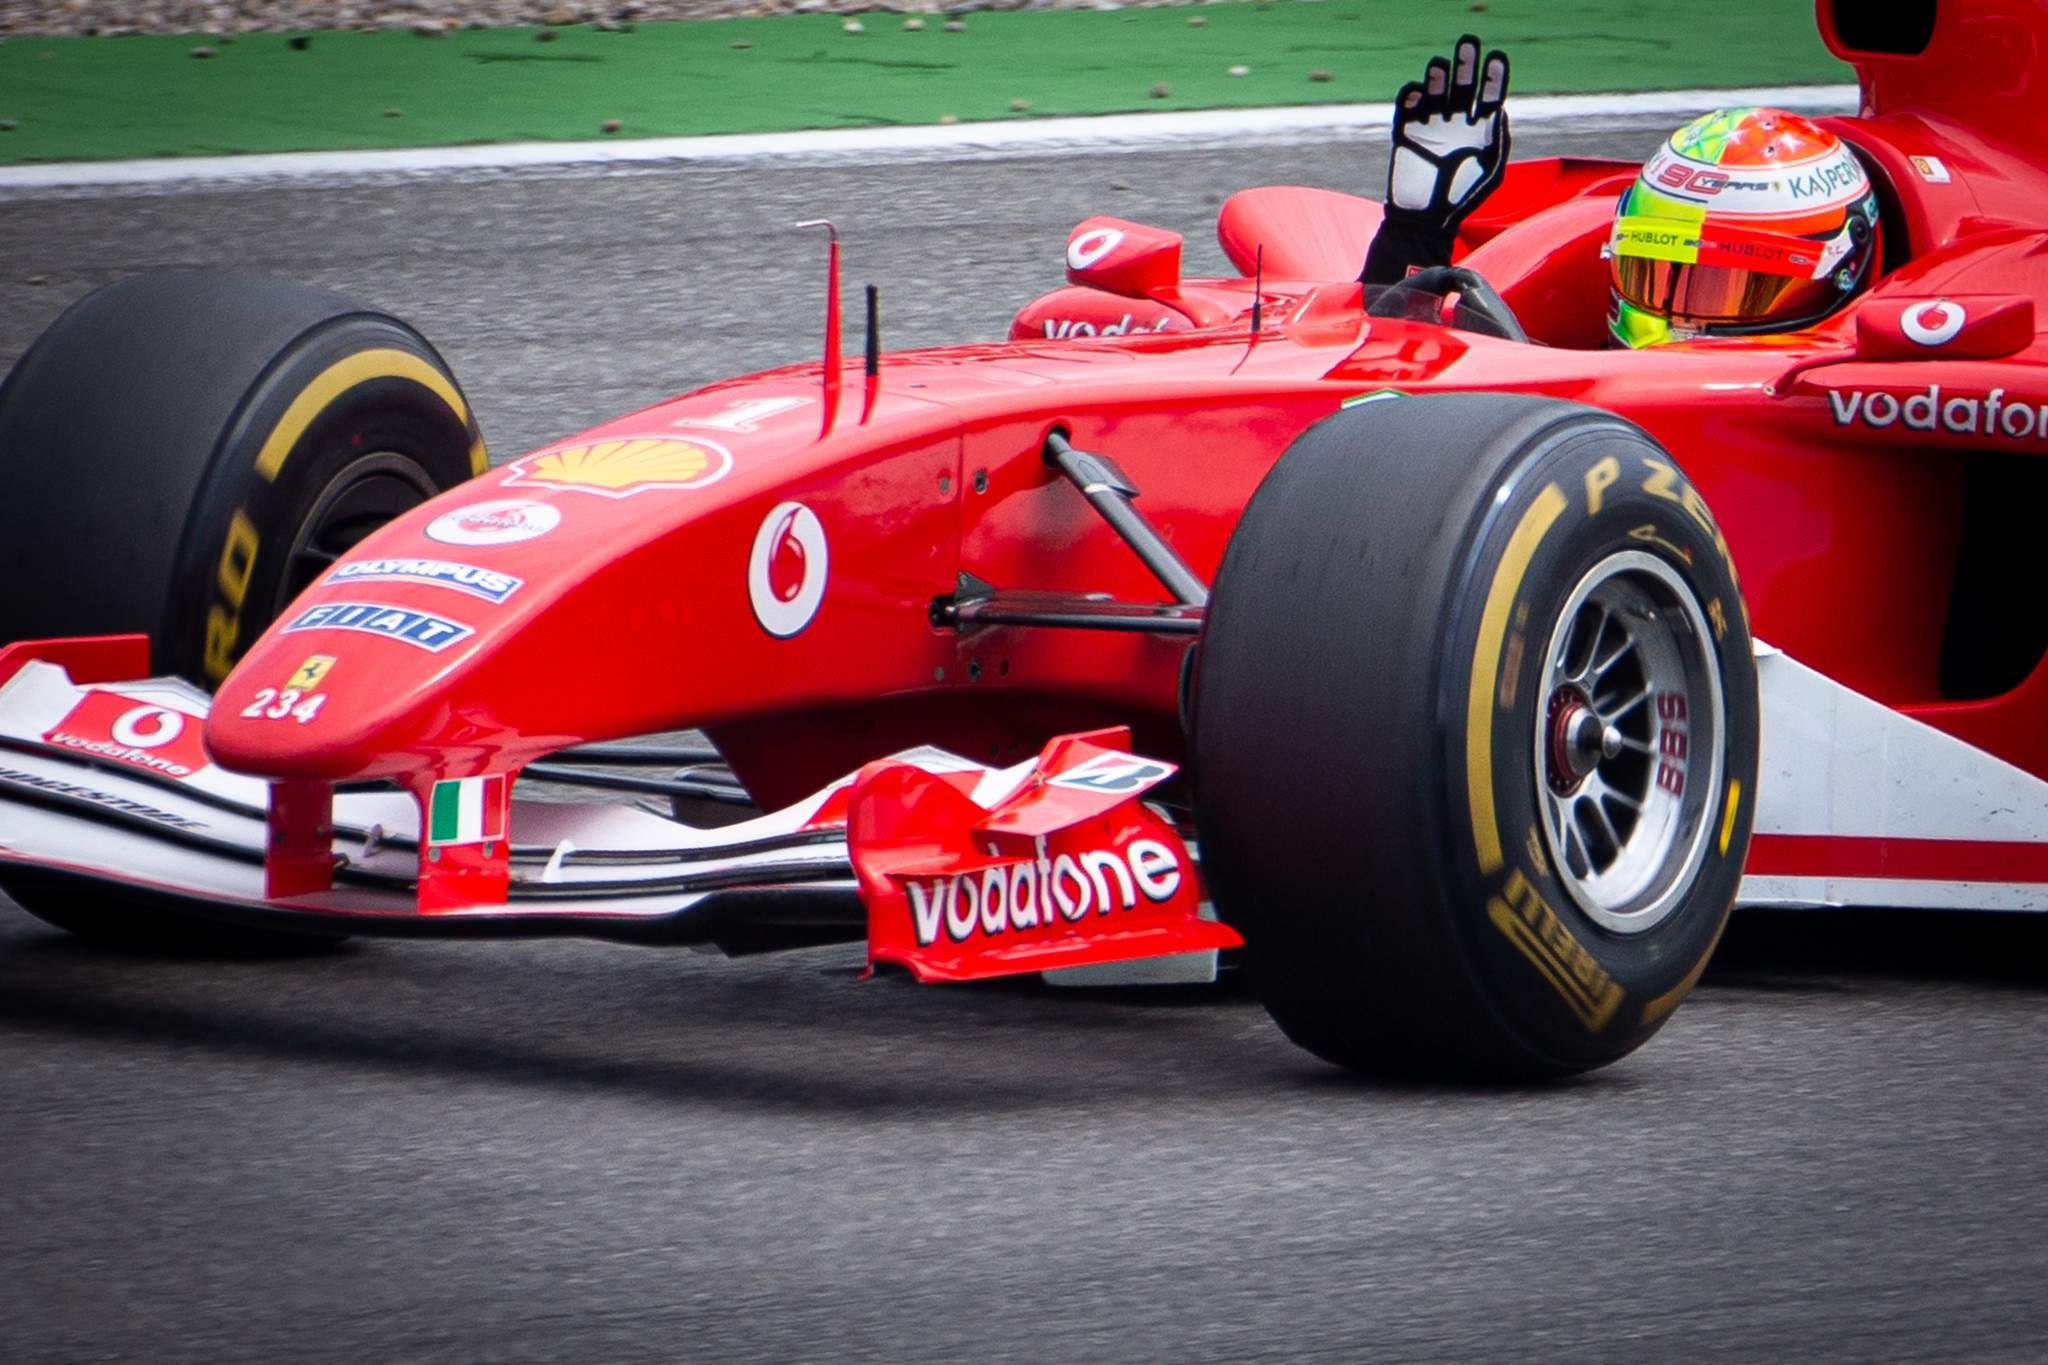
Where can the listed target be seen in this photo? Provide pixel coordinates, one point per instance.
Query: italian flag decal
(467, 811)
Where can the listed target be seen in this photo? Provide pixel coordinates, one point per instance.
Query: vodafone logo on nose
(1933, 323)
(786, 572)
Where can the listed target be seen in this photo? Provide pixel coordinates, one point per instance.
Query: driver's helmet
(1746, 221)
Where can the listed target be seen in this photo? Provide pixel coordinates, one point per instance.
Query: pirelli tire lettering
(187, 450)
(362, 416)
(1474, 736)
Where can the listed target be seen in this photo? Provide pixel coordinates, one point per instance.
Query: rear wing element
(1973, 61)
(1052, 864)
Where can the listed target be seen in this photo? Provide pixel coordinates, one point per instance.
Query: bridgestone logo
(98, 798)
(1041, 892)
(109, 749)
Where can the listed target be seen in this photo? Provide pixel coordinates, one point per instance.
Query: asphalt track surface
(565, 1151)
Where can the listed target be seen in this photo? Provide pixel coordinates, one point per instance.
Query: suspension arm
(1110, 492)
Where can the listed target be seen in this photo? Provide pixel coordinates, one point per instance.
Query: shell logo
(624, 466)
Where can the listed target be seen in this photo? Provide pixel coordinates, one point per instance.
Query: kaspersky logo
(1041, 892)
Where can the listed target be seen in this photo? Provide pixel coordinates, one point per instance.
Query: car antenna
(1258, 306)
(874, 359)
(874, 350)
(832, 365)
(1258, 287)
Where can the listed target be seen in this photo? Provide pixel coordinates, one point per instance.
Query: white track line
(952, 142)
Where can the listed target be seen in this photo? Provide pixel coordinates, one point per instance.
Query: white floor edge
(952, 142)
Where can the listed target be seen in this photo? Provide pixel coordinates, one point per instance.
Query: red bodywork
(759, 558)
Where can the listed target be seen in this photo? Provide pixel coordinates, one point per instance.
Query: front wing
(106, 792)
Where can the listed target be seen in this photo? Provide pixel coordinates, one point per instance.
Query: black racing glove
(1450, 148)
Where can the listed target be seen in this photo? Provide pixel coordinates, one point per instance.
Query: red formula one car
(1420, 668)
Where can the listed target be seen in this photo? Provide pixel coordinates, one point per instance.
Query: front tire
(184, 453)
(1475, 737)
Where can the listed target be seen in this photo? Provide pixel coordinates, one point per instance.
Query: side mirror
(1949, 327)
(1121, 257)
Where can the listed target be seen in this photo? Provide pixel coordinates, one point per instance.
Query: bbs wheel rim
(1629, 737)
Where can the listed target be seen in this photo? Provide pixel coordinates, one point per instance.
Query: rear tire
(1412, 784)
(183, 454)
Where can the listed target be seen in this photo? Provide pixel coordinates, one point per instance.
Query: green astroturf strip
(91, 98)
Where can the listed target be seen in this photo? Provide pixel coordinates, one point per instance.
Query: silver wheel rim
(1630, 730)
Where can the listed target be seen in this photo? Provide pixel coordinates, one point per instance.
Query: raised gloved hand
(1450, 148)
(1450, 137)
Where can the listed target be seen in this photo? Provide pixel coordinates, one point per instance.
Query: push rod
(1110, 492)
(1075, 612)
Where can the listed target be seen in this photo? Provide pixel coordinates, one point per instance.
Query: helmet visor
(1692, 292)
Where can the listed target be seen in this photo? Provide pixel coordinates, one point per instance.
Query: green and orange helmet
(1746, 221)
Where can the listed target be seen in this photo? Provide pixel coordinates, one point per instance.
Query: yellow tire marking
(224, 622)
(1663, 481)
(1599, 479)
(1728, 816)
(1493, 624)
(1540, 936)
(1655, 1010)
(339, 378)
(237, 558)
(478, 461)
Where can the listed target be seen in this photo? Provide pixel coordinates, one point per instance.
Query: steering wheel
(1420, 298)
